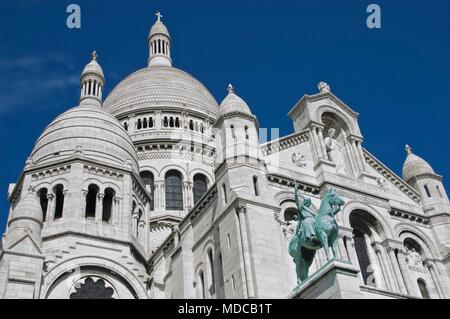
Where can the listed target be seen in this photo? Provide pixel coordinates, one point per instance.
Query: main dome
(88, 130)
(160, 86)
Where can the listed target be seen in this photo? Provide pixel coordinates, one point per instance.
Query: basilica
(159, 191)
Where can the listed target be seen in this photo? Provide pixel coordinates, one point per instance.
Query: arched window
(59, 200)
(91, 200)
(439, 191)
(201, 279)
(289, 214)
(125, 126)
(233, 135)
(149, 182)
(423, 288)
(174, 191)
(200, 187)
(212, 281)
(150, 122)
(171, 122)
(42, 193)
(427, 191)
(107, 204)
(166, 122)
(255, 185)
(191, 125)
(246, 132)
(144, 123)
(177, 122)
(139, 124)
(224, 194)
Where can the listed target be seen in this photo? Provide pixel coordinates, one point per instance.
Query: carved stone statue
(413, 257)
(314, 232)
(335, 151)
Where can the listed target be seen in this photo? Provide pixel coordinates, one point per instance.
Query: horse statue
(314, 231)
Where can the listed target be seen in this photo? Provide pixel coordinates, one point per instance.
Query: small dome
(415, 166)
(159, 28)
(233, 103)
(87, 130)
(93, 67)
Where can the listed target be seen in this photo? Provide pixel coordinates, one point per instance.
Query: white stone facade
(159, 192)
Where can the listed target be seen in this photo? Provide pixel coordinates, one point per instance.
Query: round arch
(51, 278)
(406, 231)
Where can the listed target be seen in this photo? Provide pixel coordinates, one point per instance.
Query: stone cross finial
(230, 88)
(408, 149)
(94, 56)
(323, 87)
(159, 15)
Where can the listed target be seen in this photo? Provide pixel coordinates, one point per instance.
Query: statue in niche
(413, 257)
(334, 151)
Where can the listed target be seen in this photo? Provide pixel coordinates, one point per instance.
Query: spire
(408, 149)
(159, 44)
(230, 88)
(92, 82)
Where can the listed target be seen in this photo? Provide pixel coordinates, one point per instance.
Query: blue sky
(273, 52)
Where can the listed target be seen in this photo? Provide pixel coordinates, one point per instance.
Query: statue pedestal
(335, 280)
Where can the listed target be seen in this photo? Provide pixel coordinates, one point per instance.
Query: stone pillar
(134, 224)
(51, 207)
(341, 247)
(241, 211)
(131, 124)
(317, 143)
(353, 257)
(48, 211)
(158, 119)
(351, 157)
(405, 272)
(99, 207)
(398, 274)
(116, 210)
(431, 268)
(361, 155)
(388, 271)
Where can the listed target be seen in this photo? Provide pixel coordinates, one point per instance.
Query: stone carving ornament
(413, 257)
(298, 159)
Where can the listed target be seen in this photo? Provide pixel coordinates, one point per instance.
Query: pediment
(25, 245)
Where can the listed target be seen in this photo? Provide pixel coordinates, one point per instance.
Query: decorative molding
(400, 214)
(284, 142)
(392, 177)
(99, 171)
(55, 171)
(288, 182)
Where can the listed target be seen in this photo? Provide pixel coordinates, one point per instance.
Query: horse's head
(334, 199)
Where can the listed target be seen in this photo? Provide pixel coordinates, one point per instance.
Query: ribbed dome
(233, 103)
(415, 166)
(159, 28)
(87, 129)
(93, 67)
(157, 86)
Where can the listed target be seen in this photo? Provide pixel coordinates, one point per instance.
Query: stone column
(320, 153)
(134, 224)
(116, 210)
(341, 247)
(430, 266)
(353, 257)
(99, 207)
(241, 211)
(398, 274)
(405, 272)
(351, 157)
(51, 207)
(48, 211)
(322, 142)
(361, 155)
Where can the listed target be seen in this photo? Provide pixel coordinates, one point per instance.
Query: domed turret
(92, 83)
(26, 218)
(233, 103)
(415, 166)
(159, 44)
(87, 129)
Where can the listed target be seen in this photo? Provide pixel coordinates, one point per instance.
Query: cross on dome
(230, 89)
(159, 15)
(94, 56)
(408, 149)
